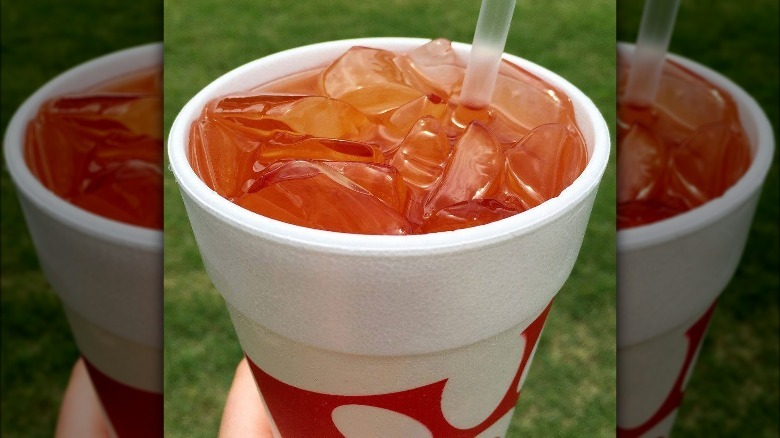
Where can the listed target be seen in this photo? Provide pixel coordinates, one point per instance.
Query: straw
(655, 31)
(486, 51)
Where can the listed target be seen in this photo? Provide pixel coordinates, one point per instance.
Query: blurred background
(41, 39)
(734, 388)
(570, 391)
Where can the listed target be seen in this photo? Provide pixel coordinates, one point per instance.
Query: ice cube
(223, 157)
(286, 146)
(56, 154)
(642, 162)
(466, 214)
(315, 195)
(369, 80)
(101, 114)
(381, 180)
(543, 163)
(686, 101)
(420, 160)
(527, 101)
(120, 148)
(707, 164)
(127, 192)
(397, 124)
(434, 68)
(263, 115)
(422, 155)
(472, 171)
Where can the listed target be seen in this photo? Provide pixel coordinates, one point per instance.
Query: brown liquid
(375, 143)
(683, 151)
(101, 149)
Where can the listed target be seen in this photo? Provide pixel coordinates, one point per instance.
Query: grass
(733, 391)
(571, 388)
(40, 40)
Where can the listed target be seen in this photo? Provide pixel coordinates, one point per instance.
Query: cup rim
(76, 78)
(750, 183)
(329, 241)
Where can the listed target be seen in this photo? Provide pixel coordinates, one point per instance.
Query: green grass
(41, 39)
(733, 391)
(571, 388)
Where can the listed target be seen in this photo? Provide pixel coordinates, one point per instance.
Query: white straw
(486, 50)
(655, 31)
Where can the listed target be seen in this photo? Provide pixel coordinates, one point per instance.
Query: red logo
(133, 412)
(301, 413)
(695, 336)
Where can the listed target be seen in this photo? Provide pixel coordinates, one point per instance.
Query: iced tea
(101, 149)
(376, 143)
(686, 149)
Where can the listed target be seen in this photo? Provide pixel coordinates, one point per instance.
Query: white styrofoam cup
(108, 274)
(335, 296)
(672, 271)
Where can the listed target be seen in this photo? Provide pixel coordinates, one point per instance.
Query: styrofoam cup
(108, 274)
(671, 272)
(368, 327)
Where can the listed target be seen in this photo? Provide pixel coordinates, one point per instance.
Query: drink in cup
(85, 154)
(352, 332)
(690, 170)
(682, 151)
(378, 143)
(99, 149)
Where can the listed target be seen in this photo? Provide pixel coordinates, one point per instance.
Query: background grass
(734, 389)
(40, 39)
(571, 388)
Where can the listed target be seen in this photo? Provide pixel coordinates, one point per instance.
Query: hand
(244, 415)
(81, 415)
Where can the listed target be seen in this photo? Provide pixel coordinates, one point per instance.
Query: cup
(670, 274)
(359, 335)
(108, 274)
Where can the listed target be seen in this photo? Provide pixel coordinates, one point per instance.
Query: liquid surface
(686, 149)
(101, 149)
(375, 143)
